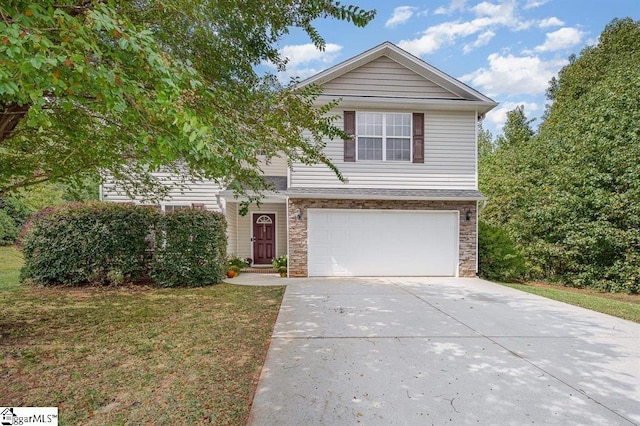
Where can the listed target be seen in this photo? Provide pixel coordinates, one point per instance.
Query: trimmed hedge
(88, 244)
(190, 249)
(110, 244)
(498, 258)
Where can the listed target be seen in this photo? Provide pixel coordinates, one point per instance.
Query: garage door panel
(382, 242)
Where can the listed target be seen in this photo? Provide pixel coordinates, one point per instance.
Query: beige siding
(275, 167)
(450, 161)
(231, 214)
(200, 192)
(450, 142)
(244, 246)
(385, 77)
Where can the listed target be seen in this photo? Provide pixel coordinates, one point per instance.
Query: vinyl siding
(199, 192)
(244, 226)
(450, 160)
(275, 167)
(385, 77)
(231, 214)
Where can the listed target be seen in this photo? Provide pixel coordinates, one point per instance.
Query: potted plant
(280, 265)
(234, 265)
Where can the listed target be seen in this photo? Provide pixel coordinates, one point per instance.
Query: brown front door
(264, 238)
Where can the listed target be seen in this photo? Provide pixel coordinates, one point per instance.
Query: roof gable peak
(406, 60)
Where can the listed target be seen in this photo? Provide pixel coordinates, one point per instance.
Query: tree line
(568, 193)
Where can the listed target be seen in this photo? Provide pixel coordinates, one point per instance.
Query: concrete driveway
(418, 351)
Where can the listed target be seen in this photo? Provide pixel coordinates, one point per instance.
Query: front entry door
(264, 238)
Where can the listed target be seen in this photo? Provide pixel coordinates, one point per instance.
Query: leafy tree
(570, 195)
(485, 142)
(585, 225)
(517, 129)
(133, 87)
(504, 175)
(13, 213)
(498, 257)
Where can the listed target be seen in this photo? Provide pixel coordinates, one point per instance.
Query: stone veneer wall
(298, 228)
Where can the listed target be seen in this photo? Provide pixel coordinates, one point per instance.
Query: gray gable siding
(385, 77)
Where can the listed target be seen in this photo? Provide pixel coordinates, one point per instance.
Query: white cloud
(561, 39)
(498, 116)
(531, 4)
(514, 75)
(501, 12)
(305, 53)
(482, 40)
(440, 35)
(401, 14)
(550, 22)
(489, 16)
(453, 6)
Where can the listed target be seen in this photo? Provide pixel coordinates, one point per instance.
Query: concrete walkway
(422, 351)
(246, 278)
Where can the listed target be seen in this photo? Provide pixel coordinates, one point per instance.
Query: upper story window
(383, 136)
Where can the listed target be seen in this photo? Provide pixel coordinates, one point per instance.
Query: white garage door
(382, 242)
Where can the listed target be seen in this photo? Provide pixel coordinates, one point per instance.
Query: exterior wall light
(467, 216)
(298, 213)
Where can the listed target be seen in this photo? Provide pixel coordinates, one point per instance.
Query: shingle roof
(279, 182)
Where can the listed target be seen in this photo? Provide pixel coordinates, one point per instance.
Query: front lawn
(10, 264)
(625, 306)
(133, 355)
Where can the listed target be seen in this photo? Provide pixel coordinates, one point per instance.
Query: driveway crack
(532, 364)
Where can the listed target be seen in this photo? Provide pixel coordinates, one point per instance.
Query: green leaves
(190, 249)
(498, 257)
(88, 244)
(571, 194)
(131, 88)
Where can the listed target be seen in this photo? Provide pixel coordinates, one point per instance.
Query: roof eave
(265, 196)
(409, 103)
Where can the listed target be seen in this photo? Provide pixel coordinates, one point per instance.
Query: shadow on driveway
(443, 350)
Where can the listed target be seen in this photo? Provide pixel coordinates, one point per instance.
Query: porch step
(253, 270)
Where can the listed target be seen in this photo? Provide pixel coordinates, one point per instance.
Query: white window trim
(384, 137)
(163, 207)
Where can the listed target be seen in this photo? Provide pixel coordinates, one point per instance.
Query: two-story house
(409, 202)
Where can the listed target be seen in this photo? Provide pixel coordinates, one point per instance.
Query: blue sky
(506, 49)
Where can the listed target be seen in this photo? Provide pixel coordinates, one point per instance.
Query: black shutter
(350, 129)
(418, 137)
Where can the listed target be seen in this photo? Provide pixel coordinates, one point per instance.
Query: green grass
(133, 355)
(627, 308)
(10, 264)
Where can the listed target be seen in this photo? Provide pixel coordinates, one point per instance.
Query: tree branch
(82, 7)
(10, 116)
